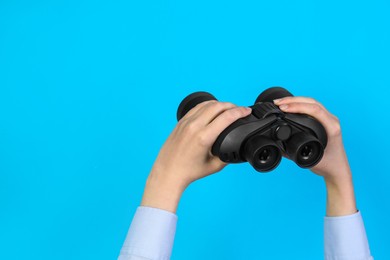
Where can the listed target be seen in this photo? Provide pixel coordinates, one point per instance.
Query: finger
(209, 112)
(204, 115)
(196, 108)
(222, 121)
(317, 111)
(287, 100)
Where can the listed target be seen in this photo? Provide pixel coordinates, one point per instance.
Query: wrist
(342, 180)
(340, 195)
(162, 192)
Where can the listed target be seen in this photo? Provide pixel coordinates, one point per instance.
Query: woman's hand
(334, 165)
(186, 154)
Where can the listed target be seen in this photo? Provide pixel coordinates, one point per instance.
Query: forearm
(163, 191)
(340, 195)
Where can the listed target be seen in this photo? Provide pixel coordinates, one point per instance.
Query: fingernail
(277, 100)
(283, 107)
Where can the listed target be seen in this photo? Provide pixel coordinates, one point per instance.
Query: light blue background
(89, 92)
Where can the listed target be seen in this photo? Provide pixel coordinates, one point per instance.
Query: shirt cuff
(345, 238)
(151, 234)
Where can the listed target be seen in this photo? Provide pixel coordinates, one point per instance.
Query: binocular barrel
(191, 101)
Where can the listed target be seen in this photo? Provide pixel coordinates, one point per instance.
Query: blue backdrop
(89, 92)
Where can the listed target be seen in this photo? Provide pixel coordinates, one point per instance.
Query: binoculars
(263, 136)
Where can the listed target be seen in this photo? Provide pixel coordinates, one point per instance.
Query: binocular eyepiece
(263, 136)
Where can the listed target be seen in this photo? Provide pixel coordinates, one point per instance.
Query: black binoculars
(261, 137)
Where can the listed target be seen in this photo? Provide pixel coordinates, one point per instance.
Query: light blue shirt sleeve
(152, 232)
(150, 236)
(345, 238)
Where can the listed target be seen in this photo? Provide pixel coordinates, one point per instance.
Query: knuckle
(213, 101)
(207, 103)
(201, 104)
(181, 123)
(219, 106)
(191, 127)
(336, 128)
(223, 105)
(293, 105)
(316, 108)
(233, 114)
(228, 104)
(203, 139)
